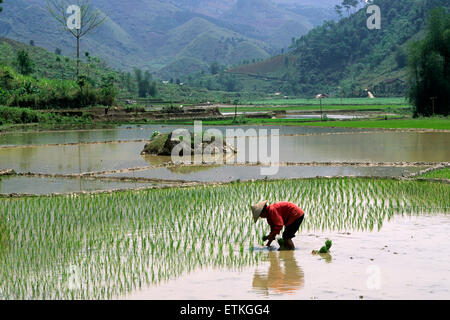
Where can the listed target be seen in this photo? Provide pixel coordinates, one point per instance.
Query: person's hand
(270, 239)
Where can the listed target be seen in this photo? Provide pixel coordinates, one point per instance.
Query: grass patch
(241, 120)
(317, 108)
(437, 123)
(14, 116)
(423, 123)
(437, 174)
(331, 101)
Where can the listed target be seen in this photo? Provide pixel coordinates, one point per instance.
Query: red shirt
(282, 214)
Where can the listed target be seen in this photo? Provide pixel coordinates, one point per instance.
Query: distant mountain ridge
(147, 33)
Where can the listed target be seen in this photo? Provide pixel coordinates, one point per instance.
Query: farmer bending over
(278, 215)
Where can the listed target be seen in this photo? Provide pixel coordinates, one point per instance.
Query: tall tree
(338, 10)
(348, 4)
(59, 62)
(90, 19)
(429, 67)
(145, 84)
(214, 68)
(1, 9)
(24, 63)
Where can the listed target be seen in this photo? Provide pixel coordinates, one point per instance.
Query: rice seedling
(120, 242)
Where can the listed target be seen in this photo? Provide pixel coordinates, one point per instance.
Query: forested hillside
(346, 58)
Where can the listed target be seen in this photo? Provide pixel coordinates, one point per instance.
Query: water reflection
(287, 279)
(363, 147)
(73, 158)
(326, 256)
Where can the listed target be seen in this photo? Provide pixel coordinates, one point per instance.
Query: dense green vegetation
(35, 78)
(430, 67)
(12, 115)
(53, 65)
(102, 246)
(27, 91)
(95, 72)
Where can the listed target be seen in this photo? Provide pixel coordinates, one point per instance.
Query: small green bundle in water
(325, 248)
(281, 242)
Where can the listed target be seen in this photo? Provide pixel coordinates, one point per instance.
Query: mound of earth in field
(163, 144)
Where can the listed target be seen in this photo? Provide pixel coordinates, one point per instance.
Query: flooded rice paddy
(401, 261)
(388, 235)
(133, 132)
(77, 152)
(52, 185)
(119, 244)
(367, 147)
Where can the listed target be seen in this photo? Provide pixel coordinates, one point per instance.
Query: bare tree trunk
(78, 53)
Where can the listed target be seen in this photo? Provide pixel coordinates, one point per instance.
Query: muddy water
(124, 133)
(364, 147)
(407, 259)
(350, 147)
(37, 185)
(73, 158)
(233, 173)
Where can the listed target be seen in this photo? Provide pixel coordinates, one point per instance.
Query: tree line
(429, 67)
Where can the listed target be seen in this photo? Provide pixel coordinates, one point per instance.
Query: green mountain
(347, 58)
(198, 43)
(157, 35)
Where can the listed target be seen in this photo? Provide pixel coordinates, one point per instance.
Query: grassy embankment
(436, 123)
(437, 174)
(11, 117)
(385, 108)
(329, 101)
